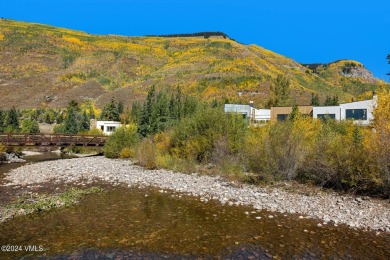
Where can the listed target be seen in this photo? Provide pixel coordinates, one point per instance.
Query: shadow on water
(145, 223)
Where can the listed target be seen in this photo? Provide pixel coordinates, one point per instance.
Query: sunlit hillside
(47, 66)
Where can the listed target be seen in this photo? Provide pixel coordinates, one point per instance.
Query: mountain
(43, 65)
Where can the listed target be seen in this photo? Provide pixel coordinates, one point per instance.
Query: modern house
(333, 112)
(107, 127)
(281, 113)
(361, 112)
(249, 112)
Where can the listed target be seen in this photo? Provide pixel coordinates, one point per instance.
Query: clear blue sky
(306, 31)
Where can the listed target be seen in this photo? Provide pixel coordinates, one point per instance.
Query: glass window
(326, 116)
(102, 127)
(282, 117)
(356, 114)
(111, 128)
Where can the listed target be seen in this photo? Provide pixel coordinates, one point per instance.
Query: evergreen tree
(357, 136)
(110, 112)
(60, 117)
(30, 126)
(2, 121)
(295, 114)
(136, 111)
(335, 100)
(146, 113)
(71, 125)
(12, 121)
(314, 100)
(328, 101)
(331, 101)
(279, 92)
(120, 107)
(85, 124)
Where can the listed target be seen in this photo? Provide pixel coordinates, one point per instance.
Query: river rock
(372, 214)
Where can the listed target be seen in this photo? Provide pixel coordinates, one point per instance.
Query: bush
(340, 158)
(277, 150)
(125, 136)
(30, 126)
(195, 137)
(126, 152)
(146, 154)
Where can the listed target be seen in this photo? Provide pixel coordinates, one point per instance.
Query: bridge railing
(41, 139)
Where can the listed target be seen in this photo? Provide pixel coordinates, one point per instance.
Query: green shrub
(195, 137)
(30, 126)
(125, 136)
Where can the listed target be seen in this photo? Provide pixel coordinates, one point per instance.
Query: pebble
(339, 209)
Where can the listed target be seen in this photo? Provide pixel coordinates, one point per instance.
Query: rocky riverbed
(330, 207)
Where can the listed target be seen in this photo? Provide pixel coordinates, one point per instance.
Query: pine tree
(2, 121)
(295, 114)
(335, 100)
(120, 107)
(136, 112)
(85, 124)
(30, 126)
(314, 100)
(12, 122)
(328, 101)
(110, 111)
(70, 122)
(60, 117)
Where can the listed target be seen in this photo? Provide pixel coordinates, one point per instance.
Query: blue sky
(306, 31)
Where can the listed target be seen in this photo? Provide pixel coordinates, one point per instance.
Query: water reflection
(144, 222)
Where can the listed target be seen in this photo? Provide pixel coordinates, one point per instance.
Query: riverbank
(330, 207)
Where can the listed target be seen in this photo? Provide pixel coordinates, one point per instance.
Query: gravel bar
(357, 212)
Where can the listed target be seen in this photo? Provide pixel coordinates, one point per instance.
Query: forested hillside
(45, 66)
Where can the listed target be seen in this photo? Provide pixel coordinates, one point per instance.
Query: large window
(356, 114)
(282, 117)
(326, 116)
(111, 128)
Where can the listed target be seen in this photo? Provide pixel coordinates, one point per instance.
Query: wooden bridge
(61, 140)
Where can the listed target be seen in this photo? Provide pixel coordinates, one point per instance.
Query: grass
(32, 203)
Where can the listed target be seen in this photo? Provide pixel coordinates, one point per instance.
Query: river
(148, 223)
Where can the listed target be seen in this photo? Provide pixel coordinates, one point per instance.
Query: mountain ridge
(46, 66)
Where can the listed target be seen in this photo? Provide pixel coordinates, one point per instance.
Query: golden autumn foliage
(207, 68)
(380, 143)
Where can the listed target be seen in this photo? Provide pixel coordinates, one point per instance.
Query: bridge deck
(19, 139)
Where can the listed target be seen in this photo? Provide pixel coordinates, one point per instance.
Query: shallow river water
(123, 223)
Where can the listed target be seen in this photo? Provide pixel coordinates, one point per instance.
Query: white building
(262, 115)
(360, 111)
(333, 112)
(107, 127)
(248, 111)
